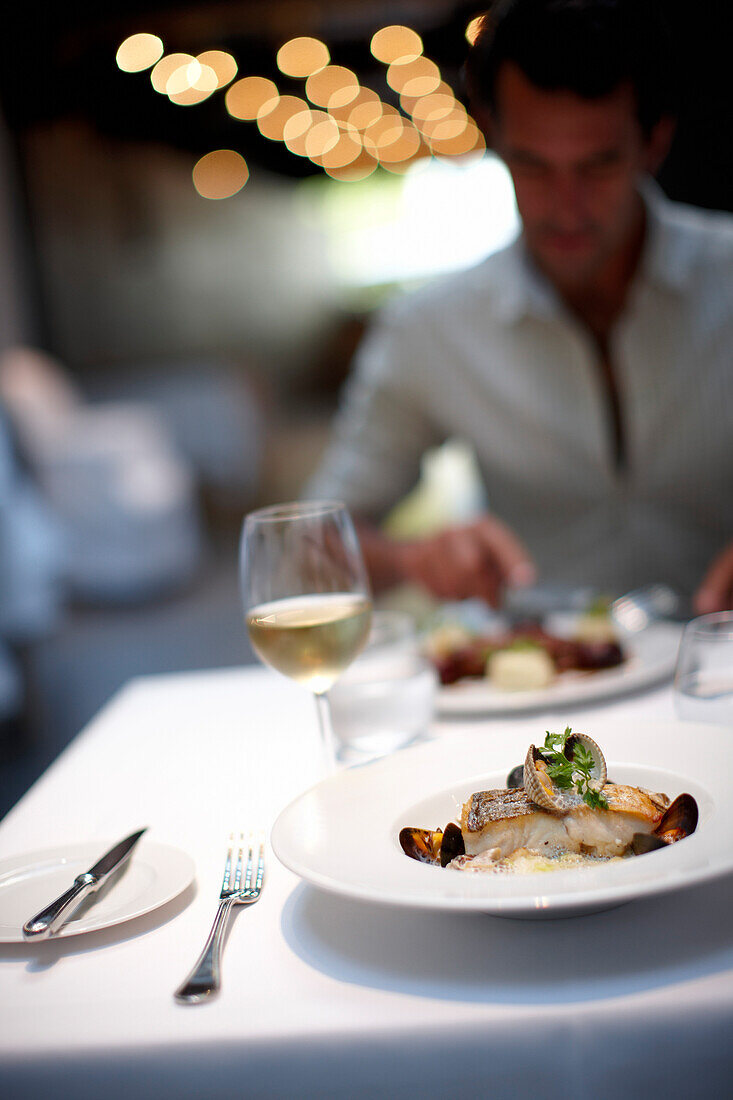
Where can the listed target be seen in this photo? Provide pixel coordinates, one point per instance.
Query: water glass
(387, 697)
(703, 683)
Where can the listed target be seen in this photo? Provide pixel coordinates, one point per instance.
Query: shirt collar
(520, 289)
(667, 259)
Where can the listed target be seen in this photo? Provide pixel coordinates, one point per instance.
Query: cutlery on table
(636, 609)
(633, 611)
(50, 919)
(241, 885)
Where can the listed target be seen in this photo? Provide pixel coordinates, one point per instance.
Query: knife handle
(50, 919)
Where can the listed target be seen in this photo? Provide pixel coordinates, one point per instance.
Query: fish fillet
(507, 820)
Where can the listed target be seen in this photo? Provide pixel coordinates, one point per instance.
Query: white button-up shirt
(492, 356)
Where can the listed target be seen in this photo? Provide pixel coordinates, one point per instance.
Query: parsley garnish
(574, 770)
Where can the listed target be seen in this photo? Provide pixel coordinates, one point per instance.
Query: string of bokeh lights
(342, 126)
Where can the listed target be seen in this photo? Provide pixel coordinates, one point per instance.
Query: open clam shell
(600, 771)
(540, 788)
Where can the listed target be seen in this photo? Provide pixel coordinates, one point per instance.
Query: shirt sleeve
(383, 425)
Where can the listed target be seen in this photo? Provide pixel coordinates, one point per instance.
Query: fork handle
(204, 981)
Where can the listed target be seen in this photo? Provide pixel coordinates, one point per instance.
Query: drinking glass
(386, 699)
(306, 596)
(703, 682)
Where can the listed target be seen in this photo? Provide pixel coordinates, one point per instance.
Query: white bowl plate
(342, 835)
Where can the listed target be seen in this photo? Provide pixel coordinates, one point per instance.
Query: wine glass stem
(328, 739)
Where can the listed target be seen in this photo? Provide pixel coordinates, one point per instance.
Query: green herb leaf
(573, 771)
(594, 799)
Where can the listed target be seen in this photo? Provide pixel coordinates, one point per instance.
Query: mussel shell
(421, 844)
(516, 777)
(452, 844)
(679, 820)
(641, 843)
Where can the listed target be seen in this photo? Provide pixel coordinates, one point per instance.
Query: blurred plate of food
(556, 659)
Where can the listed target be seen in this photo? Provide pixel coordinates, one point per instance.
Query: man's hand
(480, 559)
(716, 591)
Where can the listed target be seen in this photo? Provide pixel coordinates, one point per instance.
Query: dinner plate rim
(547, 903)
(474, 698)
(177, 867)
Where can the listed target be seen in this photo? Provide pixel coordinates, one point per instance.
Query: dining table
(323, 994)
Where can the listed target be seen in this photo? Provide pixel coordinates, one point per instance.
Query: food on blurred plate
(523, 659)
(596, 624)
(559, 810)
(522, 666)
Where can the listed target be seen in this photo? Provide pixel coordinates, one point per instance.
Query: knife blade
(53, 916)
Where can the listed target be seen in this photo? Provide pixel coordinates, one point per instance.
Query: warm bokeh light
(321, 138)
(250, 96)
(473, 28)
(296, 129)
(420, 158)
(186, 76)
(203, 79)
(271, 121)
(344, 152)
(341, 114)
(220, 174)
(430, 108)
(386, 130)
(333, 86)
(222, 63)
(365, 109)
(403, 148)
(447, 127)
(139, 52)
(357, 170)
(470, 140)
(166, 67)
(416, 78)
(409, 102)
(396, 45)
(302, 56)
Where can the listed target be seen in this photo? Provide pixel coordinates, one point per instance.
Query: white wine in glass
(306, 596)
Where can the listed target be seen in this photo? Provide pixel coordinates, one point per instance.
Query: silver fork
(240, 886)
(635, 610)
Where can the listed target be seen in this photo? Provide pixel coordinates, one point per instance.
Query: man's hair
(589, 47)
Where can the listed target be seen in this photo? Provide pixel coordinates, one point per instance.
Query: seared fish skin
(507, 820)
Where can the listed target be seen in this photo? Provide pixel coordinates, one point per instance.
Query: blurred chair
(212, 412)
(31, 563)
(123, 497)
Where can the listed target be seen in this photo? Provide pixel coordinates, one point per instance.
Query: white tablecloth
(323, 996)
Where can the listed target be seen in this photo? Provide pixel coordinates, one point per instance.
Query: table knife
(50, 919)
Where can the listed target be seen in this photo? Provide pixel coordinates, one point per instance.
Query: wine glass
(703, 682)
(306, 596)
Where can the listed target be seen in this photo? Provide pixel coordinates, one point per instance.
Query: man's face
(575, 164)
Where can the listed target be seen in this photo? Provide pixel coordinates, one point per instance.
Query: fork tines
(234, 871)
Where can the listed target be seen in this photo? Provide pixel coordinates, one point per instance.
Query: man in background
(588, 363)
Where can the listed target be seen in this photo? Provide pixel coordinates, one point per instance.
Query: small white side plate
(154, 875)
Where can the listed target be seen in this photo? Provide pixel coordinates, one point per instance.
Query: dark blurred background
(186, 354)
